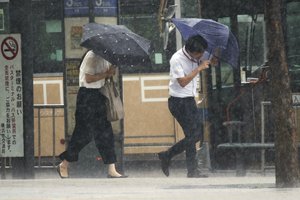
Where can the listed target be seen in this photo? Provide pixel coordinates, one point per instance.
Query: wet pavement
(146, 185)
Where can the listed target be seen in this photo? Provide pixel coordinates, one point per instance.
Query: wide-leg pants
(186, 113)
(91, 123)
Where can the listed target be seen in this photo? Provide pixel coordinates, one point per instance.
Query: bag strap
(111, 80)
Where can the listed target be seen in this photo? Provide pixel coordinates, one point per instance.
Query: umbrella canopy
(231, 54)
(117, 44)
(218, 36)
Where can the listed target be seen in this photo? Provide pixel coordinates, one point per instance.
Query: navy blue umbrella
(231, 53)
(117, 44)
(221, 42)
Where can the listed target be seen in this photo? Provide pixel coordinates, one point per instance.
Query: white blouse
(92, 64)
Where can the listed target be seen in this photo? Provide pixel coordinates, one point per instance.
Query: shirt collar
(188, 56)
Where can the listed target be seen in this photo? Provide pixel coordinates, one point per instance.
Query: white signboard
(11, 106)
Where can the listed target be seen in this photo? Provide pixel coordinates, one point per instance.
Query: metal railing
(46, 161)
(263, 128)
(40, 160)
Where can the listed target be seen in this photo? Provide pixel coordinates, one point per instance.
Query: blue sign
(80, 8)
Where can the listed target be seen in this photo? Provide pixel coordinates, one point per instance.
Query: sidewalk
(146, 185)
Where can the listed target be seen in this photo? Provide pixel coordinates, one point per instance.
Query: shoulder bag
(114, 105)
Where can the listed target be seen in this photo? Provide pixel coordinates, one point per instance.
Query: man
(185, 66)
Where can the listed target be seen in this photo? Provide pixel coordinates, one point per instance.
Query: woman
(90, 116)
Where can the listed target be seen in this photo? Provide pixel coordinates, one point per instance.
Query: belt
(190, 97)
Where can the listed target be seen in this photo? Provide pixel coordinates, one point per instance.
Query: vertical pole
(178, 15)
(53, 136)
(23, 167)
(262, 166)
(91, 11)
(39, 138)
(199, 5)
(3, 166)
(263, 160)
(265, 41)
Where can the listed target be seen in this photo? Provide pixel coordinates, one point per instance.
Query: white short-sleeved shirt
(181, 64)
(92, 64)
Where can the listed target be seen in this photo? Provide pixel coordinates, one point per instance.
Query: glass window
(142, 18)
(252, 46)
(48, 36)
(293, 44)
(190, 8)
(251, 41)
(4, 22)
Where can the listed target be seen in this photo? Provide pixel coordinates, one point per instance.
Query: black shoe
(165, 162)
(196, 174)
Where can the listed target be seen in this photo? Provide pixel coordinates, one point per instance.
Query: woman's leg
(63, 169)
(79, 140)
(104, 138)
(81, 135)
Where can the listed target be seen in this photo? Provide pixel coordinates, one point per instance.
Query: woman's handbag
(114, 105)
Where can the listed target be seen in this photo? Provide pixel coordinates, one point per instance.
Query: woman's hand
(111, 71)
(99, 76)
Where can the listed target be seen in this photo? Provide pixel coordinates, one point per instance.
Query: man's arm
(188, 78)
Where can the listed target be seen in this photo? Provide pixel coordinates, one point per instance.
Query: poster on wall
(79, 8)
(11, 106)
(72, 72)
(73, 34)
(76, 34)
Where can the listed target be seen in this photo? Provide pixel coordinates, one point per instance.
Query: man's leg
(185, 112)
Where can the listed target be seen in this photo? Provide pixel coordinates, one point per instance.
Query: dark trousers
(91, 123)
(186, 113)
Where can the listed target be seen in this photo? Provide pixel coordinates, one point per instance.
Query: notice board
(11, 106)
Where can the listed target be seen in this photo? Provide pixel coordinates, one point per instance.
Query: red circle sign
(9, 48)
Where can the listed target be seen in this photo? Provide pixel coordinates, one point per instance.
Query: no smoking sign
(9, 48)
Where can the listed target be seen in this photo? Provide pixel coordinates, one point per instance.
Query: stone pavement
(147, 185)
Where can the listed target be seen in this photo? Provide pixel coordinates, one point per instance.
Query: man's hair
(196, 43)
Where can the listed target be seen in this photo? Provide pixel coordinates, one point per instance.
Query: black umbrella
(117, 44)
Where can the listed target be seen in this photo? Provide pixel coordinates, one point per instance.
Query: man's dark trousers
(186, 113)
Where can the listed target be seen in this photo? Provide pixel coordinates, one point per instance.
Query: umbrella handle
(210, 56)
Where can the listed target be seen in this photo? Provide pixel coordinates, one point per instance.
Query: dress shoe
(62, 171)
(196, 174)
(165, 162)
(122, 176)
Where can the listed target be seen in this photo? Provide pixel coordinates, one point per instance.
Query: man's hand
(187, 79)
(204, 65)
